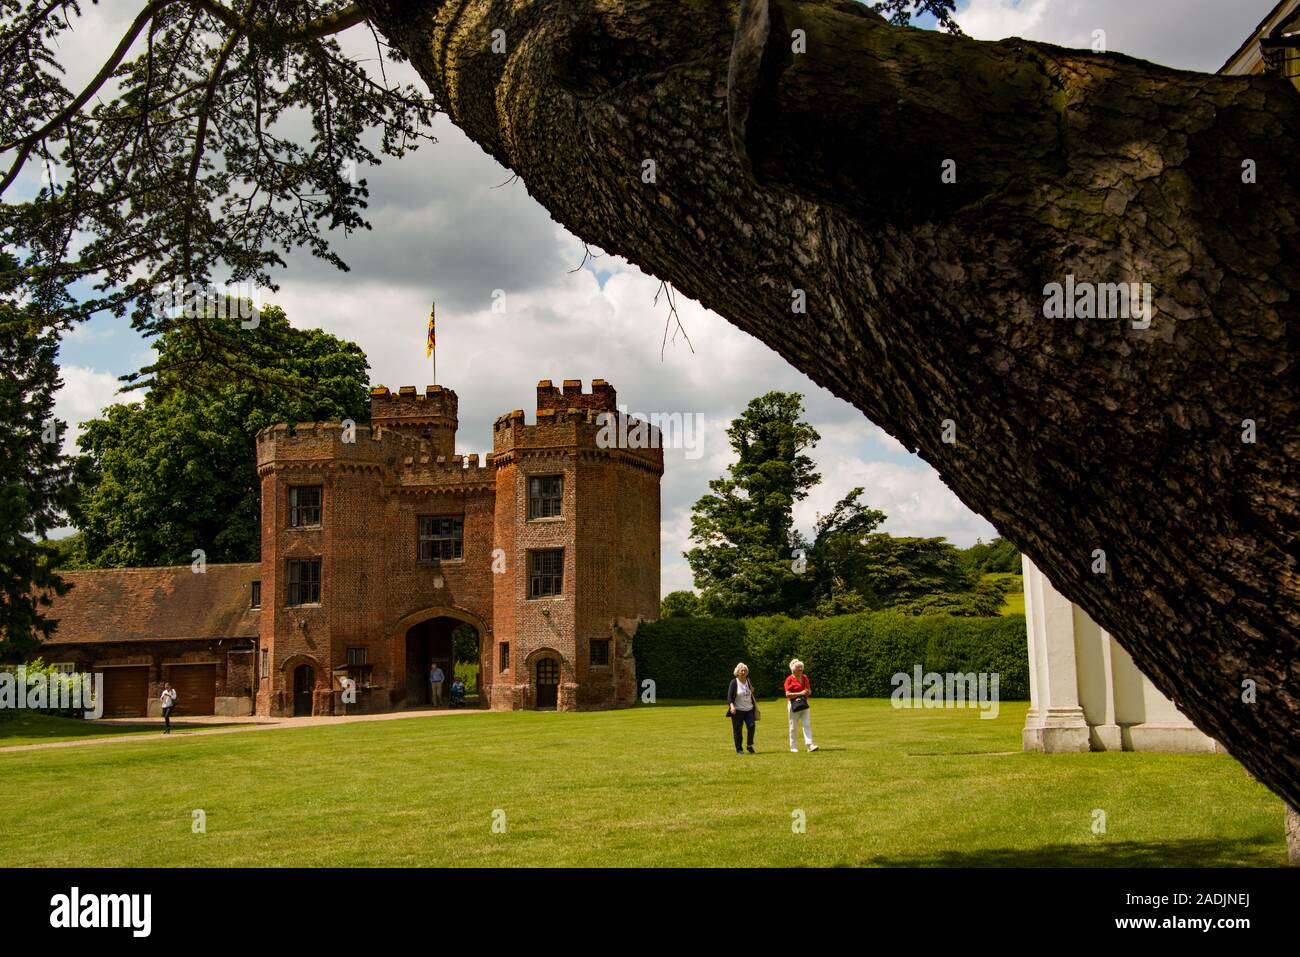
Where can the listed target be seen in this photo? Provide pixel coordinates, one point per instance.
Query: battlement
(577, 428)
(429, 415)
(548, 417)
(414, 460)
(407, 403)
(320, 442)
(601, 398)
(442, 472)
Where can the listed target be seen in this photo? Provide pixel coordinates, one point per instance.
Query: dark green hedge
(848, 656)
(693, 657)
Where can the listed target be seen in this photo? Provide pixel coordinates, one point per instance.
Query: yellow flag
(429, 343)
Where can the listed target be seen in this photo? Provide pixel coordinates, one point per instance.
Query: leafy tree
(68, 552)
(900, 571)
(176, 471)
(182, 161)
(743, 563)
(901, 12)
(680, 604)
(37, 481)
(464, 642)
(985, 600)
(998, 555)
(837, 559)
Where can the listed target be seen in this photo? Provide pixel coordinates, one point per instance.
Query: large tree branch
(822, 172)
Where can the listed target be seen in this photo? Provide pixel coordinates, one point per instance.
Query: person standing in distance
(436, 678)
(797, 692)
(168, 699)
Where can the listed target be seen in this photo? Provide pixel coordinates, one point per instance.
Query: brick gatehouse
(378, 542)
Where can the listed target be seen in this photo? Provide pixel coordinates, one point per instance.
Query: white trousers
(800, 717)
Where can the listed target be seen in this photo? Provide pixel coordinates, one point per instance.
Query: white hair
(738, 668)
(795, 663)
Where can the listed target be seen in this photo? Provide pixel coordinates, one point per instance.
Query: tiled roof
(148, 604)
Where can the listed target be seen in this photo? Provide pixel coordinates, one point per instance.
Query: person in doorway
(436, 679)
(457, 692)
(742, 706)
(797, 692)
(168, 699)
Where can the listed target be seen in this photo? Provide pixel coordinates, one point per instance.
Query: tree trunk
(777, 171)
(1292, 836)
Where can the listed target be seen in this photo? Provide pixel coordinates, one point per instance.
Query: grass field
(27, 727)
(654, 785)
(1015, 599)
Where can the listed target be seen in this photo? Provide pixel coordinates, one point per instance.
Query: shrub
(680, 604)
(689, 657)
(770, 643)
(38, 672)
(848, 656)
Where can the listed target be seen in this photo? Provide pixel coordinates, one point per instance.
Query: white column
(1055, 721)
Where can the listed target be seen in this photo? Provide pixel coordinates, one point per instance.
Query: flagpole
(432, 346)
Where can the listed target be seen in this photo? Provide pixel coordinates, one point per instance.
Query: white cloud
(84, 394)
(1187, 34)
(912, 496)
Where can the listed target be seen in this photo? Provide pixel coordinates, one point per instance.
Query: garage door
(196, 688)
(126, 692)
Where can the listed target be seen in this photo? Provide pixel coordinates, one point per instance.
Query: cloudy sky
(445, 229)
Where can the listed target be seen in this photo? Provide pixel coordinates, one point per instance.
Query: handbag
(798, 704)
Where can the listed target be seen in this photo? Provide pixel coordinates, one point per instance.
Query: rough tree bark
(821, 171)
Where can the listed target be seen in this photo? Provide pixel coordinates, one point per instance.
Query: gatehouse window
(441, 539)
(546, 573)
(359, 669)
(257, 595)
(304, 506)
(266, 663)
(545, 493)
(504, 663)
(600, 652)
(304, 582)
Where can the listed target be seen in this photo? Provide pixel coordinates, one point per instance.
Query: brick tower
(578, 527)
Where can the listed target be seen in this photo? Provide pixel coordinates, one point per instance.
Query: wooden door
(126, 692)
(548, 682)
(196, 688)
(303, 681)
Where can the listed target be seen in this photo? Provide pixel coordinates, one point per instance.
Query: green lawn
(656, 785)
(27, 727)
(1015, 599)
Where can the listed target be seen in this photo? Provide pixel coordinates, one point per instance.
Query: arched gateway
(428, 637)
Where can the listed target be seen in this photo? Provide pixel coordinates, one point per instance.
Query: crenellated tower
(430, 415)
(578, 524)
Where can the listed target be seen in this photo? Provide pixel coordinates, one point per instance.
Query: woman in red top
(797, 692)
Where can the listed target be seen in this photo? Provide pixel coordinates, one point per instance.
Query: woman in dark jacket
(742, 705)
